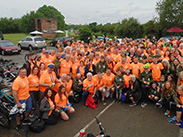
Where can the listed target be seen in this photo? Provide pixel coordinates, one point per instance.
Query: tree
(84, 33)
(129, 28)
(52, 12)
(170, 13)
(27, 23)
(9, 25)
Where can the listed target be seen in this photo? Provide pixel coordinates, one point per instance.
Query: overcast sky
(85, 11)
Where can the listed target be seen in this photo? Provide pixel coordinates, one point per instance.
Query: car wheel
(30, 48)
(2, 52)
(19, 46)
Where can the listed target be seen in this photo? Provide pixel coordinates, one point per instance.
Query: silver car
(32, 42)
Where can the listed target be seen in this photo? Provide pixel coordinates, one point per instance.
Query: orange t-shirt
(74, 69)
(111, 65)
(47, 61)
(93, 84)
(69, 86)
(21, 85)
(109, 79)
(62, 102)
(156, 71)
(33, 79)
(135, 69)
(125, 66)
(82, 70)
(116, 58)
(65, 67)
(47, 78)
(126, 80)
(100, 82)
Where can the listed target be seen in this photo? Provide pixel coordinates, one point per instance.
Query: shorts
(64, 109)
(107, 93)
(28, 103)
(119, 91)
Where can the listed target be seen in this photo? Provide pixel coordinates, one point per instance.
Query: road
(119, 120)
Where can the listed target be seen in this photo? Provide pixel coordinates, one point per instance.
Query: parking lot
(119, 120)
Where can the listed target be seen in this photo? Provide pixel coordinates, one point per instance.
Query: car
(64, 40)
(32, 42)
(7, 47)
(170, 38)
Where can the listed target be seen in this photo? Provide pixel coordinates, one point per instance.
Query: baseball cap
(51, 65)
(146, 66)
(47, 51)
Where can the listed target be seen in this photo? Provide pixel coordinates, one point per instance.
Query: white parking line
(181, 132)
(93, 120)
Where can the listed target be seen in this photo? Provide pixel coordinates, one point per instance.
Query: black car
(64, 40)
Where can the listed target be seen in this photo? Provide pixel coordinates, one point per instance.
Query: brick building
(47, 26)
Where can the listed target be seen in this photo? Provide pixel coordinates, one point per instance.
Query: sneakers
(103, 102)
(176, 123)
(143, 104)
(32, 118)
(158, 105)
(19, 128)
(167, 113)
(26, 122)
(132, 104)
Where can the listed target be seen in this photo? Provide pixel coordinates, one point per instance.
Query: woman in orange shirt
(34, 88)
(62, 103)
(41, 69)
(47, 107)
(81, 69)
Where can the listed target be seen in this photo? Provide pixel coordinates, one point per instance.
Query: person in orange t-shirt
(68, 88)
(123, 64)
(110, 63)
(34, 88)
(156, 69)
(20, 92)
(81, 69)
(65, 65)
(126, 78)
(135, 66)
(74, 67)
(48, 79)
(62, 103)
(100, 86)
(109, 78)
(47, 59)
(89, 87)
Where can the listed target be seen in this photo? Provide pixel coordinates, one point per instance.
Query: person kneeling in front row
(47, 108)
(62, 103)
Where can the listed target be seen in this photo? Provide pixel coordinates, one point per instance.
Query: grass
(15, 37)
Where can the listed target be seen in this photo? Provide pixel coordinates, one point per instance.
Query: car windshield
(5, 44)
(38, 39)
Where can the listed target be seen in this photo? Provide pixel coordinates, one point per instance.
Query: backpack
(37, 126)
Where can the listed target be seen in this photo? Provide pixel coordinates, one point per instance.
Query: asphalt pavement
(119, 120)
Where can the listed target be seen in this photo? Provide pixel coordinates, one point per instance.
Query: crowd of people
(132, 71)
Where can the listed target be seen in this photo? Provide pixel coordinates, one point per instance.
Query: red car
(7, 47)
